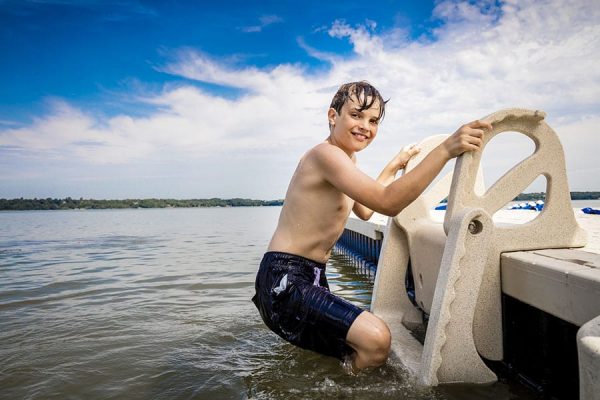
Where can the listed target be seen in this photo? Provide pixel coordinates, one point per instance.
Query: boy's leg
(370, 337)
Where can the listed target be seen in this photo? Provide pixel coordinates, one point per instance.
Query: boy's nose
(364, 125)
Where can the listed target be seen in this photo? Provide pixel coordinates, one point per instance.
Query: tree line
(542, 196)
(73, 204)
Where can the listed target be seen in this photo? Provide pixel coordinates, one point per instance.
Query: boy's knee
(371, 338)
(384, 340)
(380, 342)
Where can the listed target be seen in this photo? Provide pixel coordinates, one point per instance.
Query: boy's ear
(331, 116)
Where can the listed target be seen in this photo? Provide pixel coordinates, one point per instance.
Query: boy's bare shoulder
(326, 153)
(320, 149)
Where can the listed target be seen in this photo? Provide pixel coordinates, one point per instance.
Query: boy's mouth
(360, 136)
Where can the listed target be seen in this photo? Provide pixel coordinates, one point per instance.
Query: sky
(199, 99)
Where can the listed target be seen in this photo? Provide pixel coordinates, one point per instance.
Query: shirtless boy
(292, 293)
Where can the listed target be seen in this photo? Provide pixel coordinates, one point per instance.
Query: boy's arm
(339, 170)
(387, 176)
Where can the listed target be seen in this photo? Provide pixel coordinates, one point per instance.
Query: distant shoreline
(542, 196)
(68, 203)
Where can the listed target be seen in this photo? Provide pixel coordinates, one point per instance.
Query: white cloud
(362, 38)
(264, 21)
(482, 58)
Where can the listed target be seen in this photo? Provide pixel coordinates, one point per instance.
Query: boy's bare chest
(322, 197)
(335, 203)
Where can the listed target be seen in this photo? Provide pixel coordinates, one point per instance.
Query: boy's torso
(313, 215)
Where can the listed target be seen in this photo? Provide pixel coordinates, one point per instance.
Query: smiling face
(354, 128)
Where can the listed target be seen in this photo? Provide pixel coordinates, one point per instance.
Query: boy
(292, 293)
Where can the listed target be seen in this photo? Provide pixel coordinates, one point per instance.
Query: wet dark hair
(362, 90)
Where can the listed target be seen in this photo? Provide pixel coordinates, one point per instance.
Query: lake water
(155, 304)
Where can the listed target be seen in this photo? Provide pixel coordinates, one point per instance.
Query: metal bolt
(475, 227)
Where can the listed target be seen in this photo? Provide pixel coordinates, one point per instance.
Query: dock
(547, 295)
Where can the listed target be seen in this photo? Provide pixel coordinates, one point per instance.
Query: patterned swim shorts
(294, 301)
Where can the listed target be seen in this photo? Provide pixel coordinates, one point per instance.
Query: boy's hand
(468, 137)
(406, 153)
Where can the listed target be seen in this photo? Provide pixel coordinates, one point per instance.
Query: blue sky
(84, 51)
(117, 99)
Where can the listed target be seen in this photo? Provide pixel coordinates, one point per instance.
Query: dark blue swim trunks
(294, 301)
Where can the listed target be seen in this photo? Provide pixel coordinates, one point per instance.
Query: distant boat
(590, 210)
(532, 205)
